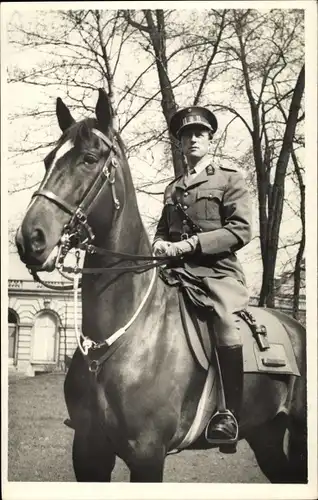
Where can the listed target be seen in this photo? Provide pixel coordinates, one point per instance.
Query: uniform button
(185, 207)
(186, 194)
(184, 221)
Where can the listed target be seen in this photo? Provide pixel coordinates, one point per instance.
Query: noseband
(78, 231)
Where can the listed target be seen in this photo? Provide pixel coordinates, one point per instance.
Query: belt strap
(195, 228)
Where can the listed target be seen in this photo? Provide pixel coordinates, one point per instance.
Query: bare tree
(246, 64)
(299, 261)
(153, 26)
(83, 50)
(260, 53)
(265, 47)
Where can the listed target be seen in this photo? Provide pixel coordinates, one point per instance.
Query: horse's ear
(63, 114)
(103, 110)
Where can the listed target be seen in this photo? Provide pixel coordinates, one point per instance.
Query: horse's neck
(111, 298)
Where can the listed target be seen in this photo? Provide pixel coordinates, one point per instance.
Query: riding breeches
(229, 296)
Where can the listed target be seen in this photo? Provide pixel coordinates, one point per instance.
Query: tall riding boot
(223, 428)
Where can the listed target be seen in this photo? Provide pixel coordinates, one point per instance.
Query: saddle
(266, 344)
(266, 349)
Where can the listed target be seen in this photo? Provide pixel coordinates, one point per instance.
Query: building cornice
(30, 287)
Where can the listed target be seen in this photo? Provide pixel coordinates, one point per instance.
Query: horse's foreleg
(146, 461)
(147, 472)
(93, 457)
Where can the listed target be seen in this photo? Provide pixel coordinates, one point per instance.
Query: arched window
(45, 338)
(13, 334)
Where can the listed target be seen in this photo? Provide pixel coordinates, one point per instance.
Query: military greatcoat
(218, 201)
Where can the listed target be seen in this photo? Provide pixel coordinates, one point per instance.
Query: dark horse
(142, 400)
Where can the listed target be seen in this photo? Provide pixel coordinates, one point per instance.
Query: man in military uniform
(206, 219)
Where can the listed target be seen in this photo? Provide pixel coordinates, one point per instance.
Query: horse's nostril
(38, 240)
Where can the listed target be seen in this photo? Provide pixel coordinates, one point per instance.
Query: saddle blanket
(278, 358)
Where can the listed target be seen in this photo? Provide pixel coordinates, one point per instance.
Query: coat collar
(184, 183)
(203, 176)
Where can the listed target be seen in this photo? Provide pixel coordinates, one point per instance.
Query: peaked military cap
(194, 115)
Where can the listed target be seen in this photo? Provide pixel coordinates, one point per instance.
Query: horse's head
(78, 191)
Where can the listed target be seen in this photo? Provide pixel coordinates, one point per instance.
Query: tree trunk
(300, 253)
(276, 201)
(168, 103)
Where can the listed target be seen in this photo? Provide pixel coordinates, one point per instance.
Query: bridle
(78, 233)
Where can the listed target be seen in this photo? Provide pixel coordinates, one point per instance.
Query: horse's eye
(89, 159)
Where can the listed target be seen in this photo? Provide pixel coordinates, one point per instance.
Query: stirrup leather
(217, 418)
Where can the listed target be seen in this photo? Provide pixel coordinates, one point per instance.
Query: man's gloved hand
(160, 247)
(183, 247)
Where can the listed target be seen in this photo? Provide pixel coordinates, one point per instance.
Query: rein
(88, 343)
(84, 343)
(151, 262)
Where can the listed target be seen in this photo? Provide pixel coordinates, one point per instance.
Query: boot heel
(68, 422)
(228, 449)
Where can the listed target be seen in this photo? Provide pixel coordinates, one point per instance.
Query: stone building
(40, 322)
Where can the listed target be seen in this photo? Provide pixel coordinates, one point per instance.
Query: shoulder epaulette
(231, 169)
(168, 186)
(175, 179)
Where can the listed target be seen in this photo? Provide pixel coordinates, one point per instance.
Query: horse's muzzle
(34, 245)
(32, 250)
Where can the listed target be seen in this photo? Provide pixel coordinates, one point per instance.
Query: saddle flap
(197, 333)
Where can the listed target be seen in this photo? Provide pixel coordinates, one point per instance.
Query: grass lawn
(40, 445)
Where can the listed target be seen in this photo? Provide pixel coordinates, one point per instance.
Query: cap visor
(194, 123)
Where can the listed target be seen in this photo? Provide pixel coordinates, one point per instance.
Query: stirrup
(218, 416)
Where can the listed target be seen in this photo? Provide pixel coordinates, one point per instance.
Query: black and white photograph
(159, 250)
